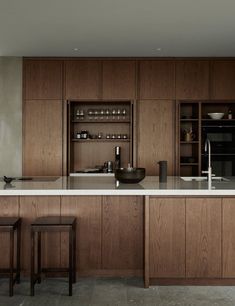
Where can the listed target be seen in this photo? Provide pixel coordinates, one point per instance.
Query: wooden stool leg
(32, 264)
(70, 260)
(18, 253)
(39, 258)
(11, 263)
(74, 254)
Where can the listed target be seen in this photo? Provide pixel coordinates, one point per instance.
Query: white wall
(10, 116)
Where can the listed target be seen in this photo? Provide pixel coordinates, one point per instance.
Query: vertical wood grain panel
(9, 207)
(43, 79)
(192, 79)
(83, 79)
(223, 80)
(42, 140)
(203, 237)
(122, 234)
(87, 210)
(228, 237)
(167, 237)
(32, 207)
(156, 136)
(119, 79)
(156, 80)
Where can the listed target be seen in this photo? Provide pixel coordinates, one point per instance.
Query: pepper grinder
(162, 171)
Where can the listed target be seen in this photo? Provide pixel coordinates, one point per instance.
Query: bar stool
(53, 224)
(12, 225)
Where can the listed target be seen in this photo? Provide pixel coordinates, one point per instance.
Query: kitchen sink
(203, 178)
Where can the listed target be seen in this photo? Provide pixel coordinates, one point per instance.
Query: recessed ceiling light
(159, 49)
(75, 49)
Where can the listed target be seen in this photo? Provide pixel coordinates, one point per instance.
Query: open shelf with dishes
(198, 120)
(95, 128)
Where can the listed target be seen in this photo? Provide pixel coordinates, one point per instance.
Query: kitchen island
(171, 233)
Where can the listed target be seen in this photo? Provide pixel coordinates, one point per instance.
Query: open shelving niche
(193, 115)
(89, 153)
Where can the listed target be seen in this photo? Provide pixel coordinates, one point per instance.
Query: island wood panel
(42, 137)
(167, 237)
(87, 210)
(192, 79)
(119, 79)
(203, 238)
(122, 233)
(9, 207)
(228, 248)
(43, 79)
(156, 135)
(156, 79)
(83, 79)
(223, 80)
(32, 207)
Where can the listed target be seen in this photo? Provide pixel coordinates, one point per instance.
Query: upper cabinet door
(119, 80)
(43, 79)
(83, 79)
(192, 80)
(223, 80)
(156, 80)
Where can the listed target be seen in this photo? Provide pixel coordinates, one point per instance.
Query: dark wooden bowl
(130, 175)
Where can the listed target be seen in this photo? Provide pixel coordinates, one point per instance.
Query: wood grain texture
(87, 209)
(203, 237)
(43, 79)
(146, 241)
(223, 80)
(167, 237)
(228, 237)
(32, 207)
(156, 79)
(9, 207)
(192, 80)
(119, 79)
(122, 234)
(42, 138)
(83, 79)
(156, 136)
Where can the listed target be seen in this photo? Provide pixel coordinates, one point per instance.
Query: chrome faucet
(209, 171)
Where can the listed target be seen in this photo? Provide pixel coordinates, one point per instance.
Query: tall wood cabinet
(42, 117)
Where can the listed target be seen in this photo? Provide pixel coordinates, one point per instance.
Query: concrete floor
(114, 291)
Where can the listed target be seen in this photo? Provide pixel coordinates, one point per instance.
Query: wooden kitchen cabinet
(228, 238)
(43, 79)
(87, 210)
(203, 238)
(119, 79)
(156, 135)
(192, 79)
(223, 80)
(9, 207)
(122, 233)
(156, 79)
(83, 79)
(42, 137)
(32, 207)
(167, 237)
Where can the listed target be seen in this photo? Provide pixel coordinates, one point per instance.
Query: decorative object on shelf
(216, 116)
(230, 114)
(188, 134)
(84, 134)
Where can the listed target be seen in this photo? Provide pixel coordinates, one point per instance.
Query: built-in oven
(222, 138)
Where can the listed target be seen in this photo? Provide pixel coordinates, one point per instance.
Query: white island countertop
(150, 186)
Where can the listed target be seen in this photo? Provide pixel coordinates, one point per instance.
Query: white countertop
(107, 186)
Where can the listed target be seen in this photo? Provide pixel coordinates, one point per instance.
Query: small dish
(216, 116)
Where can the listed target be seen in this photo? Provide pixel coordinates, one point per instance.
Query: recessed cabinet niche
(95, 129)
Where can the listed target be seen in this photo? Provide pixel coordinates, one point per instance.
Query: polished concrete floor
(115, 291)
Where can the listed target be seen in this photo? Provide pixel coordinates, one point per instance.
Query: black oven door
(222, 164)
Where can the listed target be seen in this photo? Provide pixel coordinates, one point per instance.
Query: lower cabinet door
(167, 237)
(228, 237)
(203, 238)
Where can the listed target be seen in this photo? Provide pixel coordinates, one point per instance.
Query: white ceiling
(117, 27)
